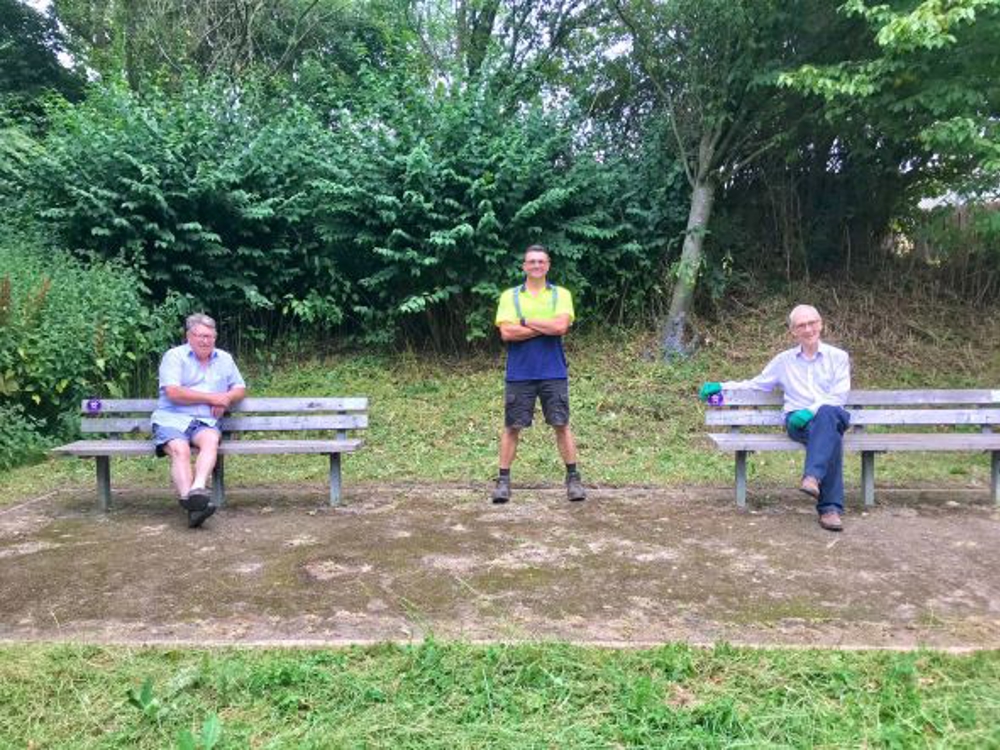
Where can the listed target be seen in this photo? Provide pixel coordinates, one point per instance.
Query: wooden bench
(125, 422)
(881, 421)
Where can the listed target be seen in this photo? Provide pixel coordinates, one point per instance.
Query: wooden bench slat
(94, 448)
(928, 442)
(263, 447)
(128, 448)
(775, 417)
(140, 425)
(942, 397)
(261, 405)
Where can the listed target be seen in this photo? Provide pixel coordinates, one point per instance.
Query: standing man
(815, 378)
(198, 384)
(532, 319)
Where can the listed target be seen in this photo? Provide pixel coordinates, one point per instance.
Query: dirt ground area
(631, 566)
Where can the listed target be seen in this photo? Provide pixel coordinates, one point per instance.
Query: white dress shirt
(807, 383)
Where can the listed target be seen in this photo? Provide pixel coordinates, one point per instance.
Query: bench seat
(318, 426)
(946, 418)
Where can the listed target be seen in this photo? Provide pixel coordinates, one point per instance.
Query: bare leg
(208, 450)
(566, 443)
(180, 465)
(508, 446)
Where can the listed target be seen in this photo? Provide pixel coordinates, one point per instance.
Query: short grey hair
(799, 308)
(198, 319)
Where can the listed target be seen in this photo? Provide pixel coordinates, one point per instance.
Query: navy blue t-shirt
(540, 358)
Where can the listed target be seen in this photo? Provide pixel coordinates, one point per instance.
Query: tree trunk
(675, 343)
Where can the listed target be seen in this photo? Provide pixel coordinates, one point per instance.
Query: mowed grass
(446, 695)
(636, 417)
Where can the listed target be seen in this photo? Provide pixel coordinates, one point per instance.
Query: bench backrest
(981, 408)
(131, 416)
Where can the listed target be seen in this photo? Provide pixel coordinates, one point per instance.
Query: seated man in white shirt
(815, 378)
(198, 384)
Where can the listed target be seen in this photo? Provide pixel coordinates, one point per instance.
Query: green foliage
(402, 216)
(925, 80)
(453, 188)
(201, 193)
(20, 436)
(68, 331)
(30, 43)
(208, 737)
(145, 700)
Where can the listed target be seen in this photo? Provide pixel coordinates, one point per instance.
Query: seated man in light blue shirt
(815, 378)
(198, 384)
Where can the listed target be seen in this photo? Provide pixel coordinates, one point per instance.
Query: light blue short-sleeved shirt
(180, 366)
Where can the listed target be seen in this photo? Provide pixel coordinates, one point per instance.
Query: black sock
(571, 471)
(505, 473)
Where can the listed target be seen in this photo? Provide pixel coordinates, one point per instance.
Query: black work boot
(501, 493)
(574, 488)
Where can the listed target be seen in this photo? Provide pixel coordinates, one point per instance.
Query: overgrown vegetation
(400, 217)
(451, 695)
(67, 331)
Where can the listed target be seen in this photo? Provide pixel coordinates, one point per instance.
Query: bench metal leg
(741, 479)
(219, 482)
(868, 477)
(103, 482)
(995, 476)
(334, 479)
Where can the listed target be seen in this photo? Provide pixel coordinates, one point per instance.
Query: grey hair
(795, 309)
(198, 319)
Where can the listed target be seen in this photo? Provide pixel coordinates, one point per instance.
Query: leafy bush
(445, 189)
(402, 213)
(68, 331)
(20, 436)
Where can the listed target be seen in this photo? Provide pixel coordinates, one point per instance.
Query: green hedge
(401, 212)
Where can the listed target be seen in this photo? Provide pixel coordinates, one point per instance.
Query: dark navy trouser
(823, 438)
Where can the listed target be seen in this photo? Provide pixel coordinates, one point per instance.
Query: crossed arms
(557, 326)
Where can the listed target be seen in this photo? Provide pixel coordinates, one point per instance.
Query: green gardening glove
(800, 418)
(709, 389)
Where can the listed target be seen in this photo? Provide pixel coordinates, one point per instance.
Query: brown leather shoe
(831, 521)
(810, 486)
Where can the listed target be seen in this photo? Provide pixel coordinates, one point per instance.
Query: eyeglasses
(807, 324)
(203, 336)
